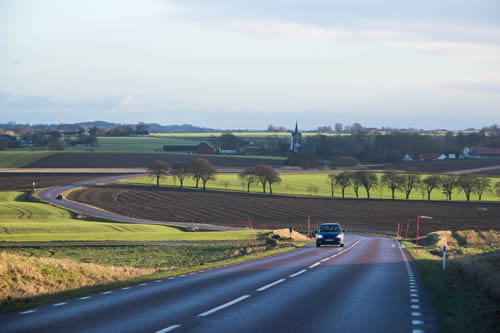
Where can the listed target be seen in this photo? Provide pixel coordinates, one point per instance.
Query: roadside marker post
(309, 226)
(407, 226)
(444, 258)
(397, 232)
(418, 222)
(254, 239)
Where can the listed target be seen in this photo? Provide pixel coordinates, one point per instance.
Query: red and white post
(418, 223)
(254, 239)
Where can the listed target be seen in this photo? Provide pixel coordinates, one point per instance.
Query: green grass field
(310, 184)
(18, 159)
(135, 144)
(22, 221)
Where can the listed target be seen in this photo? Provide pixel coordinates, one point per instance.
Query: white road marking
(158, 281)
(414, 295)
(298, 273)
(168, 329)
(143, 284)
(223, 306)
(414, 300)
(414, 290)
(59, 304)
(125, 288)
(106, 292)
(270, 285)
(27, 311)
(417, 331)
(417, 322)
(416, 314)
(392, 245)
(316, 264)
(171, 278)
(323, 260)
(183, 275)
(84, 298)
(415, 307)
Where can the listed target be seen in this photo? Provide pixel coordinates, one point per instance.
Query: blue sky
(246, 64)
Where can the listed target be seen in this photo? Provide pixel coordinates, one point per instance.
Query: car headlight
(320, 236)
(340, 236)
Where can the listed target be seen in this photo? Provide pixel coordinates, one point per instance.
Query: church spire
(296, 127)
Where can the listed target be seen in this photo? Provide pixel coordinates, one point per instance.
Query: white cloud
(128, 101)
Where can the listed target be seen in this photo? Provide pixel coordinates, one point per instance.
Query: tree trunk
(332, 190)
(342, 193)
(407, 195)
(467, 195)
(270, 189)
(157, 181)
(248, 187)
(392, 194)
(480, 195)
(263, 187)
(197, 181)
(368, 194)
(356, 193)
(182, 181)
(204, 183)
(428, 195)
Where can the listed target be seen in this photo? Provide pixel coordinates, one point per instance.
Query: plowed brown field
(24, 181)
(140, 160)
(441, 166)
(233, 209)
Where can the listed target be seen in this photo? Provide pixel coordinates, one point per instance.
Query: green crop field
(23, 221)
(310, 184)
(240, 134)
(135, 144)
(18, 159)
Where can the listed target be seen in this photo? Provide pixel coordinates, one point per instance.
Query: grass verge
(460, 304)
(18, 304)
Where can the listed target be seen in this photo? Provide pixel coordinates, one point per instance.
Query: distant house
(225, 151)
(251, 148)
(485, 153)
(428, 156)
(202, 148)
(442, 157)
(407, 158)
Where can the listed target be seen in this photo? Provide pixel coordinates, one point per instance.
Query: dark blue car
(330, 234)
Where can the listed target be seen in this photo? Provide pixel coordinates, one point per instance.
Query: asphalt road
(370, 285)
(51, 193)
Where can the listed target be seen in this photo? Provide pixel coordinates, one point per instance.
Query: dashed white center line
(415, 307)
(314, 265)
(125, 288)
(59, 304)
(27, 311)
(157, 281)
(85, 297)
(271, 285)
(223, 306)
(323, 260)
(298, 273)
(414, 295)
(417, 331)
(414, 300)
(106, 292)
(417, 322)
(168, 329)
(416, 314)
(171, 278)
(143, 284)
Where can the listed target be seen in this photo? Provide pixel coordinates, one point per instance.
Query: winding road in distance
(370, 285)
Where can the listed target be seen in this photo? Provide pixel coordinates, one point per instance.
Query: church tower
(295, 139)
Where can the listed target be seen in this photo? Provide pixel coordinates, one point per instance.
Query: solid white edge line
(168, 329)
(323, 260)
(270, 285)
(27, 311)
(59, 304)
(106, 292)
(298, 273)
(314, 265)
(223, 306)
(85, 297)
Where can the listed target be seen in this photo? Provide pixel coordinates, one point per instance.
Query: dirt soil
(442, 166)
(273, 212)
(140, 160)
(24, 181)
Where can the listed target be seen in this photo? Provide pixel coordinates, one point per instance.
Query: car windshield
(330, 228)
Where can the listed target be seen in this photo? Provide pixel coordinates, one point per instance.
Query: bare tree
(343, 180)
(430, 183)
(312, 189)
(391, 180)
(356, 181)
(483, 185)
(408, 182)
(157, 169)
(267, 175)
(467, 183)
(180, 171)
(248, 177)
(333, 182)
(369, 182)
(448, 184)
(203, 170)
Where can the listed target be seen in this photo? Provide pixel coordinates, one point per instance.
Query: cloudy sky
(246, 64)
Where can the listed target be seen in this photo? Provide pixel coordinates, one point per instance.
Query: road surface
(370, 285)
(51, 193)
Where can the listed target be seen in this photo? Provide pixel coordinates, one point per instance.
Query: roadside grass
(308, 184)
(18, 159)
(18, 304)
(458, 300)
(23, 221)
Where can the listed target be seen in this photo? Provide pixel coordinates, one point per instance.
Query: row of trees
(408, 182)
(262, 174)
(199, 169)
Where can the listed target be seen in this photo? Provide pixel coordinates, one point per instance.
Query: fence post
(444, 258)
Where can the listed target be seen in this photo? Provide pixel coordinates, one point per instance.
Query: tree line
(409, 182)
(199, 169)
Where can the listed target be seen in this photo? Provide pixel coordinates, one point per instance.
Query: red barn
(202, 148)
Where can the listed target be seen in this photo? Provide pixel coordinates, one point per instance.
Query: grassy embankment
(467, 295)
(23, 221)
(311, 184)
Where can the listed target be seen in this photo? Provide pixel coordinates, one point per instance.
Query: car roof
(329, 224)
